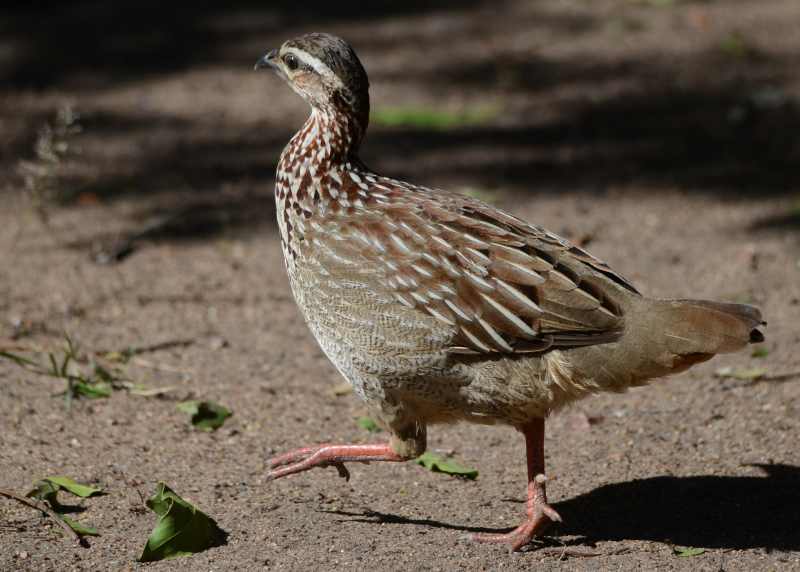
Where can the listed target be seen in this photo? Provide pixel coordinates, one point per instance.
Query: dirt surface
(663, 134)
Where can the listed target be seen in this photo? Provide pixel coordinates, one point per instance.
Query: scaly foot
(540, 516)
(329, 456)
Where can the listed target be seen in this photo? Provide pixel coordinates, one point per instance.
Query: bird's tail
(702, 326)
(682, 333)
(663, 337)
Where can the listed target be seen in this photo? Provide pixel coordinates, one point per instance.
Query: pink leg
(330, 456)
(540, 514)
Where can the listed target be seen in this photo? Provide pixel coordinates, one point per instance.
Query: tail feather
(663, 337)
(705, 327)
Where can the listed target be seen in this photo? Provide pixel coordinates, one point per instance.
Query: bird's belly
(394, 354)
(379, 346)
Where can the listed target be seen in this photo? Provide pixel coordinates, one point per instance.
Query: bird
(439, 308)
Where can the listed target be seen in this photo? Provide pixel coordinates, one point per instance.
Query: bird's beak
(269, 61)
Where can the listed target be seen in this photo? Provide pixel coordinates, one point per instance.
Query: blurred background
(137, 157)
(530, 96)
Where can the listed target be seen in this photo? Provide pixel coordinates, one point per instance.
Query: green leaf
(760, 352)
(181, 529)
(688, 551)
(81, 529)
(97, 390)
(368, 425)
(206, 415)
(438, 464)
(83, 491)
(46, 491)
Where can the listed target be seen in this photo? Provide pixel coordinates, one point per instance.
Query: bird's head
(325, 71)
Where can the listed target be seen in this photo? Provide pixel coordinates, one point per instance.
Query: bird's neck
(312, 168)
(329, 138)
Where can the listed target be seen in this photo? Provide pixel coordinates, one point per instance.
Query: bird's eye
(290, 61)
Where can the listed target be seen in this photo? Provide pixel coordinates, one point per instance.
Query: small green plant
(92, 381)
(41, 174)
(421, 118)
(736, 46)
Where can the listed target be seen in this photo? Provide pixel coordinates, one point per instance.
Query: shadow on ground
(708, 140)
(705, 511)
(713, 140)
(103, 43)
(726, 128)
(702, 511)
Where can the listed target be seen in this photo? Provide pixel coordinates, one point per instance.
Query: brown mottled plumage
(438, 307)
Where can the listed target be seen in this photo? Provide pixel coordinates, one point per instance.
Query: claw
(550, 513)
(342, 470)
(294, 456)
(544, 515)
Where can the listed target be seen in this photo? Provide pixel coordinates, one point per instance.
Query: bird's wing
(501, 284)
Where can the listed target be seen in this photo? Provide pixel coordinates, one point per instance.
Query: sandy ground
(663, 134)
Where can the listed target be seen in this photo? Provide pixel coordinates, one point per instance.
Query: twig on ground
(122, 247)
(169, 344)
(566, 551)
(133, 354)
(39, 505)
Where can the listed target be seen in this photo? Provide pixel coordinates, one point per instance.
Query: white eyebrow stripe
(315, 63)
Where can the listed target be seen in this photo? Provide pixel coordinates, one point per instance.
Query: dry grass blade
(566, 552)
(42, 175)
(755, 375)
